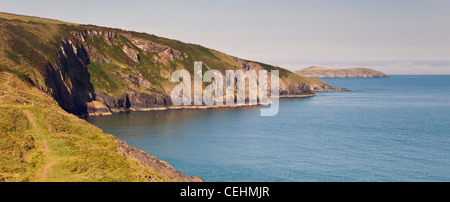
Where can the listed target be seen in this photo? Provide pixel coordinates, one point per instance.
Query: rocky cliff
(92, 70)
(321, 72)
(52, 70)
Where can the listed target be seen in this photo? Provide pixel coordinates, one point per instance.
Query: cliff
(321, 72)
(92, 70)
(53, 72)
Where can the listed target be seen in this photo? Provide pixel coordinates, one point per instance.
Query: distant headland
(321, 72)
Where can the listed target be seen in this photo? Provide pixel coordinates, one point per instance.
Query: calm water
(390, 129)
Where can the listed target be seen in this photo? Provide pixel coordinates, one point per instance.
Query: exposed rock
(138, 81)
(83, 35)
(159, 166)
(114, 104)
(96, 58)
(150, 46)
(131, 53)
(96, 108)
(132, 100)
(68, 80)
(248, 65)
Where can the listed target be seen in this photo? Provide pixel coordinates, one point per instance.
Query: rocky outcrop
(150, 46)
(97, 108)
(104, 104)
(248, 65)
(159, 166)
(131, 53)
(84, 35)
(321, 72)
(68, 81)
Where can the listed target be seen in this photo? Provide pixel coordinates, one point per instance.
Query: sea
(385, 129)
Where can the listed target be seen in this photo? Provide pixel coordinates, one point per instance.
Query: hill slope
(321, 72)
(41, 142)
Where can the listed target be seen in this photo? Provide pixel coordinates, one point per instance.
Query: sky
(394, 36)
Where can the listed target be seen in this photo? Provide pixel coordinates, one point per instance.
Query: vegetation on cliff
(321, 72)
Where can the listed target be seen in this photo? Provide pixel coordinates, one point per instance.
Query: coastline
(196, 106)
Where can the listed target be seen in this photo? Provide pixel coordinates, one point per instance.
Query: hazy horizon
(395, 37)
(394, 67)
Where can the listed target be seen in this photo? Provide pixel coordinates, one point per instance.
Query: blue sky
(287, 33)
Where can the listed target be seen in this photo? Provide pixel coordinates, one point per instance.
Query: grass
(104, 79)
(42, 142)
(13, 57)
(17, 160)
(30, 19)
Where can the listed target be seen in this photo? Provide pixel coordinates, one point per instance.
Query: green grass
(16, 144)
(29, 45)
(13, 57)
(42, 142)
(30, 19)
(19, 74)
(104, 79)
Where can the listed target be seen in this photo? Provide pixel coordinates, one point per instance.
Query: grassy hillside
(42, 142)
(32, 19)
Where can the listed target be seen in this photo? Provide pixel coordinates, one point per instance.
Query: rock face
(131, 53)
(104, 104)
(321, 72)
(67, 80)
(150, 46)
(106, 34)
(159, 166)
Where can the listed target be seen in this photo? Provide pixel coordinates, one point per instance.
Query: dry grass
(42, 142)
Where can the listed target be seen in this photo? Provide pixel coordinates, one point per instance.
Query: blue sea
(385, 129)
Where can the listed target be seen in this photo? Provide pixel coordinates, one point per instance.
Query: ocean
(385, 129)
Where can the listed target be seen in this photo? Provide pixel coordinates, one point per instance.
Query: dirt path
(44, 148)
(30, 117)
(38, 133)
(47, 167)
